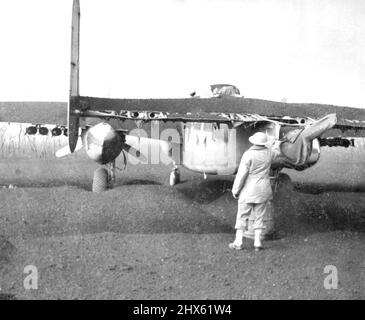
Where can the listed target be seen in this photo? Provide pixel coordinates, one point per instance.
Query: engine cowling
(102, 143)
(297, 156)
(315, 154)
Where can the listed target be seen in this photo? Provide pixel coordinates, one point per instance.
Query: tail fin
(72, 116)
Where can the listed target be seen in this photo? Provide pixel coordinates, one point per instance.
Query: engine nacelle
(102, 143)
(315, 154)
(298, 158)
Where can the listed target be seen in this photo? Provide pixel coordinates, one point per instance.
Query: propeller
(134, 152)
(132, 146)
(143, 143)
(65, 151)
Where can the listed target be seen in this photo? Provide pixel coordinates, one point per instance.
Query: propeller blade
(143, 143)
(135, 153)
(65, 151)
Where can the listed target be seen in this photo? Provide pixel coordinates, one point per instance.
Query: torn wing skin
(234, 111)
(198, 110)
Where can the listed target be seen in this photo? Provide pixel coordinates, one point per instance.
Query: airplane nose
(103, 144)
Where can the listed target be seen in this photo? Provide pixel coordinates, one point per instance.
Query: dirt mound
(147, 240)
(125, 209)
(53, 197)
(7, 251)
(9, 259)
(301, 213)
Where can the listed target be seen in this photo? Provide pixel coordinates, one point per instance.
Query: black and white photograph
(182, 150)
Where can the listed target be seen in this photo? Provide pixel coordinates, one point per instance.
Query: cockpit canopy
(217, 90)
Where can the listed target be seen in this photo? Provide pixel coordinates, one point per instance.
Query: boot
(257, 243)
(238, 242)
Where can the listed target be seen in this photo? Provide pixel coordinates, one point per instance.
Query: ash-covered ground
(147, 240)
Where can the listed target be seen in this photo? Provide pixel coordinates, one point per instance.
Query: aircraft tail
(72, 115)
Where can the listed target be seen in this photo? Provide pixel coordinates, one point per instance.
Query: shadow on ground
(204, 192)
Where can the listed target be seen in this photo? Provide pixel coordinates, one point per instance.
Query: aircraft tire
(174, 178)
(100, 180)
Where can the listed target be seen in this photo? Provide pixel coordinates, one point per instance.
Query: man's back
(252, 180)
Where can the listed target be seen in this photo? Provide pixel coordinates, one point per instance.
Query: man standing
(252, 188)
(252, 184)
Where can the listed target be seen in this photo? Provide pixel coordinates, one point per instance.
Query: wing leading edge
(226, 110)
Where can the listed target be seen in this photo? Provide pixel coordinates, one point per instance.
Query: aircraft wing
(232, 110)
(225, 109)
(220, 110)
(224, 104)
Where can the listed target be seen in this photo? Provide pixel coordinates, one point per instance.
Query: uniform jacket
(252, 182)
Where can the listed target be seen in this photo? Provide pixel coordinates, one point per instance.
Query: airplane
(205, 135)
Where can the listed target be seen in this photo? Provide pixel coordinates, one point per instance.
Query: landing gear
(174, 176)
(100, 180)
(280, 181)
(104, 178)
(283, 182)
(111, 173)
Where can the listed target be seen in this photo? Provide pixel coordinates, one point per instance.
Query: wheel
(100, 181)
(174, 177)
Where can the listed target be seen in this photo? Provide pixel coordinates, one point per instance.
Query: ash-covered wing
(223, 109)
